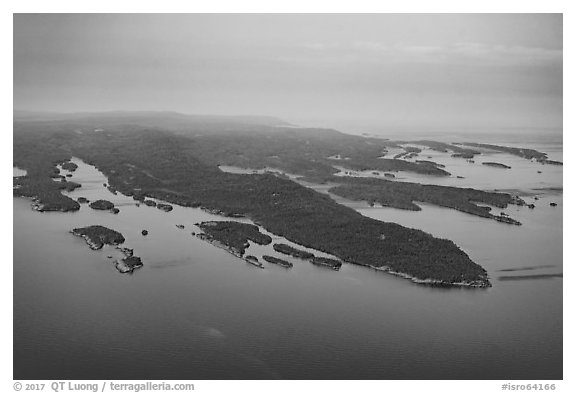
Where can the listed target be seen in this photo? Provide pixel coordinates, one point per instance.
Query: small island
(288, 250)
(164, 206)
(496, 165)
(294, 252)
(232, 236)
(251, 259)
(328, 262)
(97, 236)
(403, 195)
(102, 204)
(69, 166)
(128, 264)
(277, 261)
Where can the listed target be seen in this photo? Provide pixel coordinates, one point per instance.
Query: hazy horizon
(468, 71)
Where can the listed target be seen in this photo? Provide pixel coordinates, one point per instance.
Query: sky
(374, 70)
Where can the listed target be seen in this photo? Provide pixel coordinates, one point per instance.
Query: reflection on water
(16, 172)
(194, 311)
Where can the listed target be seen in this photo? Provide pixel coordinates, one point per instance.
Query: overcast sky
(440, 70)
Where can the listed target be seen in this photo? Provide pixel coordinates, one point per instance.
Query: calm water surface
(196, 312)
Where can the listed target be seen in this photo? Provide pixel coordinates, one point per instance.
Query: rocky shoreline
(496, 165)
(328, 262)
(96, 236)
(278, 261)
(129, 263)
(482, 282)
(294, 252)
(216, 243)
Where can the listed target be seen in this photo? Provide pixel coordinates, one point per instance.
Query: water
(196, 312)
(16, 172)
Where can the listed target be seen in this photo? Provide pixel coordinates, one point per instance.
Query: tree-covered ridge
(444, 148)
(402, 195)
(294, 252)
(529, 154)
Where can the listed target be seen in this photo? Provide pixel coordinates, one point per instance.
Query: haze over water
(332, 70)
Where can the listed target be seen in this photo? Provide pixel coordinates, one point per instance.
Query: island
(432, 163)
(39, 184)
(328, 262)
(277, 261)
(403, 195)
(442, 147)
(496, 165)
(176, 161)
(251, 259)
(97, 236)
(232, 236)
(102, 204)
(82, 200)
(164, 206)
(551, 162)
(69, 166)
(529, 154)
(128, 264)
(294, 252)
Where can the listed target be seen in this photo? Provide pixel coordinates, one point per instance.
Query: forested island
(175, 158)
(496, 165)
(102, 205)
(288, 250)
(97, 236)
(46, 193)
(277, 261)
(232, 236)
(296, 253)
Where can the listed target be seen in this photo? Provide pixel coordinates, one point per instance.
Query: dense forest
(234, 235)
(402, 195)
(529, 154)
(97, 236)
(180, 166)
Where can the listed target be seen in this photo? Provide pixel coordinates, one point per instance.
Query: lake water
(195, 311)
